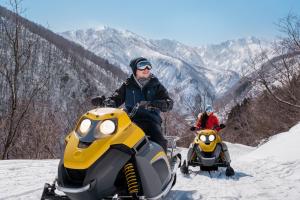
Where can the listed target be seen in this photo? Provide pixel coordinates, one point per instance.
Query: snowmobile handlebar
(142, 104)
(221, 126)
(98, 100)
(101, 101)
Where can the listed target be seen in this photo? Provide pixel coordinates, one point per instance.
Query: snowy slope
(271, 171)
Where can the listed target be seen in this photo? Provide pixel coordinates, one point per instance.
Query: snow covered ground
(271, 171)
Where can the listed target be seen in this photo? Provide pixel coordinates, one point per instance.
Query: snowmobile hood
(207, 145)
(81, 155)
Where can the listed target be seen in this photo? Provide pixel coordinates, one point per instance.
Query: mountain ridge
(211, 68)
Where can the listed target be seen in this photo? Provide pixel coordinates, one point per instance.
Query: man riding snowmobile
(144, 88)
(208, 151)
(107, 156)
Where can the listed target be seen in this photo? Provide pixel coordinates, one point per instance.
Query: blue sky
(194, 22)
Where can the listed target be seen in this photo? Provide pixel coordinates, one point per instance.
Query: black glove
(162, 105)
(98, 101)
(193, 128)
(144, 104)
(109, 103)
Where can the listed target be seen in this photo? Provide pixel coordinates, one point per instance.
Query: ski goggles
(209, 110)
(142, 65)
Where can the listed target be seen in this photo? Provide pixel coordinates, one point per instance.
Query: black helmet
(134, 62)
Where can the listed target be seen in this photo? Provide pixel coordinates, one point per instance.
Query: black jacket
(131, 93)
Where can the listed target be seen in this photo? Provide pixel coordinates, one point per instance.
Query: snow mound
(282, 147)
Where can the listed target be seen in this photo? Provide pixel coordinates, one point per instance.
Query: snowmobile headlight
(107, 127)
(211, 138)
(84, 127)
(202, 138)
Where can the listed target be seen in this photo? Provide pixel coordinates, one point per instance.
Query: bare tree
(197, 104)
(13, 66)
(284, 68)
(194, 104)
(290, 27)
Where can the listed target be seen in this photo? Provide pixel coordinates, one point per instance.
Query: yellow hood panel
(212, 145)
(127, 134)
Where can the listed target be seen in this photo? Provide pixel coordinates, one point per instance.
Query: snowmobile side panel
(226, 152)
(154, 175)
(101, 184)
(190, 153)
(166, 190)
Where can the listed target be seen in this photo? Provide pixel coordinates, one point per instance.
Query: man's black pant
(153, 130)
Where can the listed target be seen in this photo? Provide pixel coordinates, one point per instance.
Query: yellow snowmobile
(107, 156)
(209, 152)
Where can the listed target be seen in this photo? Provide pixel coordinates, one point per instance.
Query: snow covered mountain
(261, 173)
(229, 60)
(119, 47)
(185, 70)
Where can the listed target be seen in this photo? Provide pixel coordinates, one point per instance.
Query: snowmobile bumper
(49, 192)
(206, 158)
(74, 190)
(208, 161)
